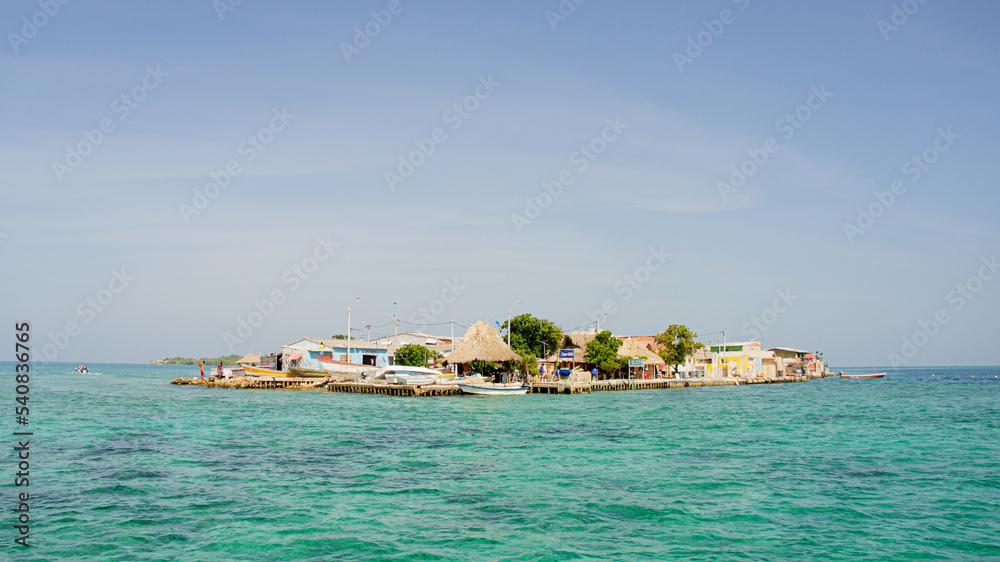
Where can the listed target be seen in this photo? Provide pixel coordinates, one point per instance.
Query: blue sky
(644, 231)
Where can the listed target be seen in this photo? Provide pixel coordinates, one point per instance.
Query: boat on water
(263, 372)
(402, 374)
(82, 369)
(305, 373)
(871, 375)
(494, 388)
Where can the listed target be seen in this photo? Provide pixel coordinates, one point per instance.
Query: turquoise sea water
(126, 467)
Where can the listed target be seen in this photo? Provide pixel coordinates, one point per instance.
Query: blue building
(312, 353)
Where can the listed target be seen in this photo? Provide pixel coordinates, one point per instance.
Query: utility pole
(395, 327)
(349, 331)
(508, 323)
(508, 328)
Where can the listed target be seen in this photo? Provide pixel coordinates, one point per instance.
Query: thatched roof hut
(481, 343)
(577, 341)
(251, 359)
(632, 348)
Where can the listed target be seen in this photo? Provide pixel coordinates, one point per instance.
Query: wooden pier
(248, 383)
(394, 389)
(542, 387)
(562, 387)
(566, 387)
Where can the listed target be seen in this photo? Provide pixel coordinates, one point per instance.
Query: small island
(227, 360)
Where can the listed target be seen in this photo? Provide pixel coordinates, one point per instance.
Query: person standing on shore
(202, 369)
(219, 371)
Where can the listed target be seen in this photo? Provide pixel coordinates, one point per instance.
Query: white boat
(343, 367)
(402, 374)
(494, 388)
(863, 376)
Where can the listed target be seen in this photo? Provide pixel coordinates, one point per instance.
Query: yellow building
(738, 359)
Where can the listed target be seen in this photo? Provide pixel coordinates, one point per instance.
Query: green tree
(676, 344)
(338, 337)
(537, 336)
(413, 355)
(602, 351)
(488, 369)
(528, 364)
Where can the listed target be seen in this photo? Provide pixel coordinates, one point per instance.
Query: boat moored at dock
(402, 374)
(262, 372)
(308, 373)
(494, 388)
(343, 367)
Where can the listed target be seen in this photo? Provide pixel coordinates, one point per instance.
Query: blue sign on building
(566, 354)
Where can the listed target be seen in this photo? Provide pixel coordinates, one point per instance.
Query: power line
(577, 328)
(427, 324)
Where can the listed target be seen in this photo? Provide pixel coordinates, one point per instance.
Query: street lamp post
(508, 323)
(395, 335)
(349, 330)
(599, 322)
(395, 327)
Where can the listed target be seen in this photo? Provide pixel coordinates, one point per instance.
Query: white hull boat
(863, 376)
(344, 368)
(494, 388)
(420, 376)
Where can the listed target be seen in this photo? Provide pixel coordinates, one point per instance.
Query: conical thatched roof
(481, 343)
(577, 341)
(632, 348)
(249, 359)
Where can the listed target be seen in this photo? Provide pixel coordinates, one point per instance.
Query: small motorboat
(871, 375)
(82, 369)
(305, 373)
(494, 388)
(351, 370)
(264, 372)
(402, 374)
